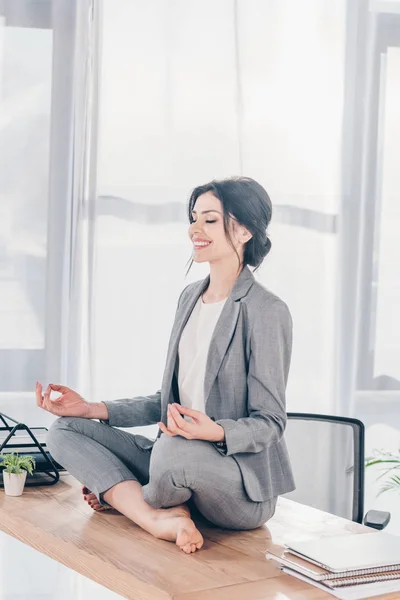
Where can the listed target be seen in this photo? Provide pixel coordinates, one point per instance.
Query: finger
(43, 403)
(172, 423)
(169, 433)
(51, 405)
(47, 406)
(184, 410)
(58, 399)
(47, 393)
(39, 397)
(180, 421)
(170, 429)
(164, 429)
(59, 388)
(172, 426)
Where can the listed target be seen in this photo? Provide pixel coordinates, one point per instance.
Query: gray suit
(244, 387)
(244, 392)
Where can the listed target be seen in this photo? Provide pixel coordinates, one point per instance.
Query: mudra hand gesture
(201, 428)
(69, 404)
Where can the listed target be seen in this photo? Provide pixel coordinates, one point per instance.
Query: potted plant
(15, 468)
(392, 469)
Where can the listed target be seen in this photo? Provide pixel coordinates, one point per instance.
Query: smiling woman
(229, 214)
(221, 408)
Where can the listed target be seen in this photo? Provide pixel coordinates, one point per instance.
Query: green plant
(13, 463)
(387, 458)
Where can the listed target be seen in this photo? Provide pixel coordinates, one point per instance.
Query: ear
(246, 235)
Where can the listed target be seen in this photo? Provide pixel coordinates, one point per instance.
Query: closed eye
(193, 221)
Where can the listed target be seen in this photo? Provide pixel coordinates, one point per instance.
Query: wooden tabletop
(114, 552)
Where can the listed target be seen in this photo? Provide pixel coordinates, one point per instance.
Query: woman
(221, 407)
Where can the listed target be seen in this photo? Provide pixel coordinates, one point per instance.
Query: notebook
(361, 553)
(286, 559)
(353, 592)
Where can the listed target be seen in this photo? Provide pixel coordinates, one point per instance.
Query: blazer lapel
(220, 341)
(182, 317)
(222, 335)
(224, 329)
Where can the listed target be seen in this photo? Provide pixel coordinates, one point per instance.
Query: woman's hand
(69, 404)
(201, 428)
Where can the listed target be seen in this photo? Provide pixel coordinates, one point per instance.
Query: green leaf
(14, 463)
(386, 458)
(379, 461)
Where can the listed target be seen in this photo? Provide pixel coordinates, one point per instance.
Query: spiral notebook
(351, 592)
(360, 553)
(286, 559)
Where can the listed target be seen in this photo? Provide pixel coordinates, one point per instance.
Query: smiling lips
(199, 244)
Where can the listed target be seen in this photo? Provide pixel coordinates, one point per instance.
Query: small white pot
(13, 483)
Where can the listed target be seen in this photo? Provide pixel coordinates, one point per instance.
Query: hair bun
(267, 246)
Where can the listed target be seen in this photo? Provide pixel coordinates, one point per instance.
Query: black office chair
(327, 456)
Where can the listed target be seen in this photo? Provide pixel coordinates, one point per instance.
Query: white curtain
(48, 95)
(75, 296)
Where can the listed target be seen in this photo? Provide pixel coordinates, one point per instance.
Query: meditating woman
(221, 407)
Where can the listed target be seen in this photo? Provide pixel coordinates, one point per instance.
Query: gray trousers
(172, 470)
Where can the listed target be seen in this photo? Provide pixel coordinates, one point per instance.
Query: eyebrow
(203, 212)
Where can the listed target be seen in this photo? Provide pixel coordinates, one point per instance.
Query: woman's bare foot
(172, 524)
(175, 525)
(92, 500)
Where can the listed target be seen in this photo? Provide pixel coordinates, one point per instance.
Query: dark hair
(248, 202)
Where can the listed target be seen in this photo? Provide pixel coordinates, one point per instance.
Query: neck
(222, 279)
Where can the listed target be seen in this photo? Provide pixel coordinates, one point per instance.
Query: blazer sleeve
(268, 369)
(138, 411)
(134, 412)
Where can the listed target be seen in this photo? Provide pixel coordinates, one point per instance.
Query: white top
(193, 352)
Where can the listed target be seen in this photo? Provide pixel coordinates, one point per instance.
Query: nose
(195, 229)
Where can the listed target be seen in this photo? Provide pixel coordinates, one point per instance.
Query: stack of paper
(349, 567)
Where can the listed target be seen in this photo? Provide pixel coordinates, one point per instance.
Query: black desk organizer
(47, 469)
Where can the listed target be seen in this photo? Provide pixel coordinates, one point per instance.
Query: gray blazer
(244, 387)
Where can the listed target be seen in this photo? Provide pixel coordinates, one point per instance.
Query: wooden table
(111, 550)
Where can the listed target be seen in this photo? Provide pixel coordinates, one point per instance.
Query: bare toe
(95, 505)
(93, 502)
(89, 497)
(179, 529)
(189, 538)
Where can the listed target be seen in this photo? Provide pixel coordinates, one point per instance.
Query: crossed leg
(151, 483)
(113, 464)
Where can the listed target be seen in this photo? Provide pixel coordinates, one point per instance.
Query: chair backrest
(327, 456)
